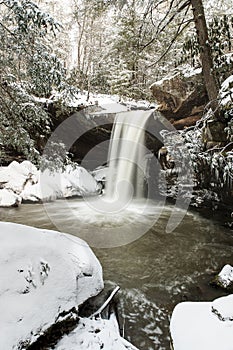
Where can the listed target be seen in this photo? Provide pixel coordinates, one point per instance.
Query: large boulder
(45, 276)
(181, 95)
(23, 182)
(203, 325)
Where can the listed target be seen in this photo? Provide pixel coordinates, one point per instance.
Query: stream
(155, 271)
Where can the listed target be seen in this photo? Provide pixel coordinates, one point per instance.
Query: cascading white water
(127, 156)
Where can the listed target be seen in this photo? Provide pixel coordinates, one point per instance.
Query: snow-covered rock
(63, 184)
(201, 325)
(22, 181)
(94, 334)
(225, 278)
(44, 276)
(223, 308)
(9, 198)
(181, 94)
(100, 174)
(16, 175)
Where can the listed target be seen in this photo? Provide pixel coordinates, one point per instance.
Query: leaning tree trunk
(205, 51)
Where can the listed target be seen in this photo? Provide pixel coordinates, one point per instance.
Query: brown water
(155, 271)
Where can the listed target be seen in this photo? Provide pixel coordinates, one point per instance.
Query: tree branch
(179, 31)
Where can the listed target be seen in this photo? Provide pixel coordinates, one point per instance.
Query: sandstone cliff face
(181, 97)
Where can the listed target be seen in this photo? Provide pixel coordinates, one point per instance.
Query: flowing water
(155, 271)
(127, 161)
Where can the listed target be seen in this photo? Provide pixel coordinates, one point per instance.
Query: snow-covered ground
(105, 103)
(45, 275)
(203, 325)
(22, 181)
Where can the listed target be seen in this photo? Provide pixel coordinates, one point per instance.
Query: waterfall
(127, 156)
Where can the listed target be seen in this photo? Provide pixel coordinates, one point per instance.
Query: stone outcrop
(181, 97)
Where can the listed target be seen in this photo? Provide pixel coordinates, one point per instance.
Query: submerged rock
(45, 276)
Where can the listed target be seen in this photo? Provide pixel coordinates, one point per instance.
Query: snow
(225, 277)
(226, 92)
(9, 198)
(62, 184)
(95, 334)
(22, 181)
(103, 103)
(223, 308)
(16, 175)
(43, 274)
(100, 173)
(194, 325)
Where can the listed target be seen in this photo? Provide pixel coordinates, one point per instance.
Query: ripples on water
(155, 271)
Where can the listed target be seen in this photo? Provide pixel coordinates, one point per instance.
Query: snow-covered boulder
(95, 334)
(22, 181)
(223, 308)
(9, 198)
(225, 278)
(61, 184)
(45, 275)
(203, 325)
(16, 175)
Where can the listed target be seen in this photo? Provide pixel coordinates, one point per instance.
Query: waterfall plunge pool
(155, 271)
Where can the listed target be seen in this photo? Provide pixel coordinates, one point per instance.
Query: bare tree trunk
(205, 51)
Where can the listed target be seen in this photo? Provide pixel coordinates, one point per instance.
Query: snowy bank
(23, 182)
(45, 275)
(203, 325)
(95, 334)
